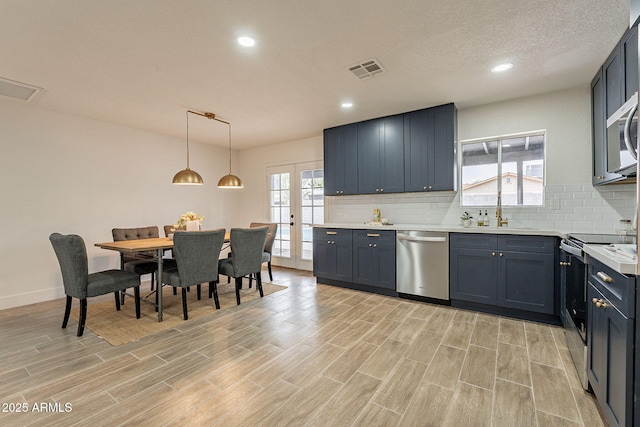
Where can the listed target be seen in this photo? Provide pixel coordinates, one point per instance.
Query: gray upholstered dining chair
(142, 263)
(196, 255)
(268, 245)
(247, 246)
(78, 283)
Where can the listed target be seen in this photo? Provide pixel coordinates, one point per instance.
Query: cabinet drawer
(331, 233)
(473, 241)
(380, 237)
(618, 288)
(535, 244)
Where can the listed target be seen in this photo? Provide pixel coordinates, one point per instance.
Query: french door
(296, 200)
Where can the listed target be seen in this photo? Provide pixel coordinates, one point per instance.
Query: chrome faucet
(501, 221)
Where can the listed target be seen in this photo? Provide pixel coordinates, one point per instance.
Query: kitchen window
(517, 159)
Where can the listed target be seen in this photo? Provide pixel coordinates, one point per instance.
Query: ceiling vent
(366, 69)
(17, 90)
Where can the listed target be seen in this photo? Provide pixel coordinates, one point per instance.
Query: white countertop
(618, 261)
(446, 228)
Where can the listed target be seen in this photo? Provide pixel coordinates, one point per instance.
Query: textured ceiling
(143, 63)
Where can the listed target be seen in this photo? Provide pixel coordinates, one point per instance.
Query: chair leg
(184, 303)
(153, 275)
(238, 286)
(136, 292)
(213, 289)
(199, 291)
(270, 273)
(259, 283)
(250, 280)
(175, 291)
(117, 295)
(83, 316)
(122, 297)
(67, 311)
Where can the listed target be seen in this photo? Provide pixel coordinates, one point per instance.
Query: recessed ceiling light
(246, 41)
(502, 67)
(346, 104)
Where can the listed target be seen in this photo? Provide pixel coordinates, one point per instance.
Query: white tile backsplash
(582, 208)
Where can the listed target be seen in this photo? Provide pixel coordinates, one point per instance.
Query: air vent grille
(366, 69)
(17, 90)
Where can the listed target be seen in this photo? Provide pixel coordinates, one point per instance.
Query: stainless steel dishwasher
(422, 262)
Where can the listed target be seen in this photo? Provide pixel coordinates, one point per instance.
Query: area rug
(120, 327)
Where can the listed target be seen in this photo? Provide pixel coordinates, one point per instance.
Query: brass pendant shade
(188, 176)
(230, 181)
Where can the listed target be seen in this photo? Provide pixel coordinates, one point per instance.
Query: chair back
(271, 235)
(247, 245)
(120, 234)
(72, 257)
(197, 254)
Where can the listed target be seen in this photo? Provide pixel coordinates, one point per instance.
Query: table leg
(159, 284)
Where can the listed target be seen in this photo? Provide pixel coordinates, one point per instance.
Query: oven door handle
(570, 249)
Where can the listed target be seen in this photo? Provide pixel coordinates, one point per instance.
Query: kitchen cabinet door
(473, 275)
(380, 155)
(612, 73)
(341, 160)
(332, 254)
(610, 358)
(598, 131)
(629, 55)
(526, 281)
(374, 258)
(429, 149)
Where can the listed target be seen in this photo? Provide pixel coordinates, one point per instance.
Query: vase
(193, 225)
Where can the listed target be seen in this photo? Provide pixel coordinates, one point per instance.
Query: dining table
(157, 245)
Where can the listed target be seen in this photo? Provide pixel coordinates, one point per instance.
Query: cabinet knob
(375, 246)
(430, 187)
(595, 300)
(424, 188)
(493, 254)
(500, 253)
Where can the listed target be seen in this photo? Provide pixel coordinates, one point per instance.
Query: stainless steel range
(574, 293)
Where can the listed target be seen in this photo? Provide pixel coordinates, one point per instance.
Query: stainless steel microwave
(622, 138)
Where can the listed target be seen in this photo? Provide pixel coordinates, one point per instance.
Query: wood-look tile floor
(309, 355)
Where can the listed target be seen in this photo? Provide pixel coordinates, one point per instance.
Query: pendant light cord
(187, 113)
(229, 148)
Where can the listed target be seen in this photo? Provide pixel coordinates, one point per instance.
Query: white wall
(69, 174)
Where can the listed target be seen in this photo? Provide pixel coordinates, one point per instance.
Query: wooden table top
(143, 245)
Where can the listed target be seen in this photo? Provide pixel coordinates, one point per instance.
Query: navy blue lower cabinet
(374, 258)
(610, 350)
(504, 274)
(332, 254)
(473, 275)
(526, 281)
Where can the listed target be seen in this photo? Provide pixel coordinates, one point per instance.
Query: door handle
(291, 223)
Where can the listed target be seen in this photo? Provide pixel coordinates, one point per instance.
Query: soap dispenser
(480, 219)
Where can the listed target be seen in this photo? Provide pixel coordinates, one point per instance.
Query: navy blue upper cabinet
(620, 71)
(341, 160)
(380, 155)
(429, 149)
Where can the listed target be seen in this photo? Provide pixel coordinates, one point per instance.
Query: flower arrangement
(186, 217)
(466, 215)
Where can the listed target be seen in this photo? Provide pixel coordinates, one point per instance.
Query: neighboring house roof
(504, 175)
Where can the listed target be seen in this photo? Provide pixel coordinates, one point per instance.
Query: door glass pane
(480, 173)
(279, 207)
(312, 209)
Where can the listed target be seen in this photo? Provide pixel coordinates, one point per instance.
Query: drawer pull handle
(604, 277)
(332, 232)
(372, 235)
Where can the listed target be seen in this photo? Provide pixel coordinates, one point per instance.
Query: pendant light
(188, 176)
(230, 180)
